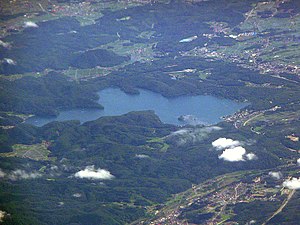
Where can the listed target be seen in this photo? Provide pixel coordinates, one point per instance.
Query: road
(292, 192)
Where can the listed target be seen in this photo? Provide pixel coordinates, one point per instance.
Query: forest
(138, 182)
(146, 163)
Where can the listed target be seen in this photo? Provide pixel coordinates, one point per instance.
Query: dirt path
(281, 207)
(284, 78)
(247, 121)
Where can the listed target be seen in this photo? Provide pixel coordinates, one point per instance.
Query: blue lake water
(196, 109)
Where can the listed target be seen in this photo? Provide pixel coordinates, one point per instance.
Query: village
(86, 12)
(249, 60)
(218, 201)
(260, 43)
(242, 118)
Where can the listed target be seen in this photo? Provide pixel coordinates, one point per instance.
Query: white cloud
(22, 174)
(298, 161)
(54, 167)
(276, 175)
(30, 24)
(234, 151)
(223, 143)
(294, 183)
(142, 156)
(54, 171)
(77, 195)
(251, 156)
(9, 61)
(180, 132)
(94, 174)
(191, 120)
(3, 214)
(4, 44)
(66, 167)
(211, 129)
(188, 39)
(2, 174)
(191, 135)
(233, 154)
(61, 203)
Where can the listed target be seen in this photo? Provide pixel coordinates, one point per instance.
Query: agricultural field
(59, 56)
(223, 199)
(37, 152)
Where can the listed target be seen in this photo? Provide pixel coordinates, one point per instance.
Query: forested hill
(45, 95)
(133, 169)
(147, 161)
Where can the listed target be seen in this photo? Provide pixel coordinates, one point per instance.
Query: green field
(38, 152)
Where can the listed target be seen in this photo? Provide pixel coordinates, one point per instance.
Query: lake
(191, 109)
